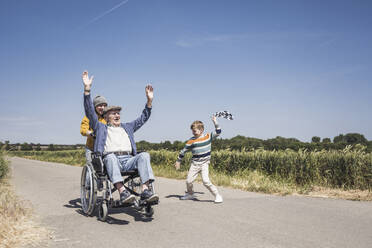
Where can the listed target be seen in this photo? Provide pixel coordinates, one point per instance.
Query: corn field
(347, 169)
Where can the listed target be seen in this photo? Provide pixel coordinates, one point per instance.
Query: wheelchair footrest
(118, 204)
(144, 203)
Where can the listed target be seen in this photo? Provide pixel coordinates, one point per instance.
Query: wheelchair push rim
(88, 190)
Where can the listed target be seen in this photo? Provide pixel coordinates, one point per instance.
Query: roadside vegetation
(17, 227)
(343, 173)
(237, 143)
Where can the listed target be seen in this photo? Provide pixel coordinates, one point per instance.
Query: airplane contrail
(105, 13)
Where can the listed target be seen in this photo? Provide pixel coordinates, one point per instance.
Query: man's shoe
(188, 196)
(218, 199)
(148, 196)
(126, 197)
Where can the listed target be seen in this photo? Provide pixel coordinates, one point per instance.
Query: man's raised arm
(88, 104)
(137, 123)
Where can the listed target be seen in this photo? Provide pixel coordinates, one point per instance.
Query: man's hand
(90, 133)
(177, 165)
(87, 82)
(149, 94)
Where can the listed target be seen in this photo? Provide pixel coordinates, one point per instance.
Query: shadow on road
(73, 203)
(195, 199)
(138, 216)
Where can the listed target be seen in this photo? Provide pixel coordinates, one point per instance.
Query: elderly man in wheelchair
(115, 161)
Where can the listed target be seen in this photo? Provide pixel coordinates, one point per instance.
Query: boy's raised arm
(217, 130)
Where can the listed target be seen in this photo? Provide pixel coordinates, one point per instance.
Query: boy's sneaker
(187, 196)
(149, 196)
(126, 197)
(218, 199)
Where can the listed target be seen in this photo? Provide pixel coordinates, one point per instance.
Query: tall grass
(346, 169)
(3, 165)
(349, 169)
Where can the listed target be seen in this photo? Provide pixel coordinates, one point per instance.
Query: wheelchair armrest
(97, 162)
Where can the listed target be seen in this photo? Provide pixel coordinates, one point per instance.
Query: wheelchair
(96, 190)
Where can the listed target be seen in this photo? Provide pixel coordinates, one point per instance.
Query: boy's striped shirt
(200, 147)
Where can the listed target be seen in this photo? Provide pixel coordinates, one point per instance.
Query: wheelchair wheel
(149, 211)
(102, 212)
(88, 190)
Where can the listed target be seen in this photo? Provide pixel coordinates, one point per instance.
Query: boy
(200, 146)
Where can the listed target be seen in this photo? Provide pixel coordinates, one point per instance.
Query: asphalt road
(244, 219)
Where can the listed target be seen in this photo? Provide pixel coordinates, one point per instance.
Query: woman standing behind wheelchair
(99, 103)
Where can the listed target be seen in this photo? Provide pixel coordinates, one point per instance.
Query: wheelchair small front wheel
(103, 211)
(149, 211)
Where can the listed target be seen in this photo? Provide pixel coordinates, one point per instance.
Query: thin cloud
(199, 41)
(20, 121)
(182, 43)
(195, 41)
(105, 13)
(327, 43)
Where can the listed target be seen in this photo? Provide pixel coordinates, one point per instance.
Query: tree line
(241, 143)
(37, 147)
(237, 143)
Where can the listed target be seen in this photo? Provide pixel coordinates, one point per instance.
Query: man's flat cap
(109, 108)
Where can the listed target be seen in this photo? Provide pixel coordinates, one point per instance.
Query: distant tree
(238, 143)
(338, 139)
(351, 139)
(38, 148)
(315, 139)
(369, 146)
(26, 147)
(7, 145)
(355, 138)
(167, 145)
(326, 140)
(147, 146)
(51, 147)
(178, 145)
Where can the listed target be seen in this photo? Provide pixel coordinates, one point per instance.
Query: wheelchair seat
(130, 173)
(100, 168)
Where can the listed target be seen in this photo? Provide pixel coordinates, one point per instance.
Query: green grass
(276, 172)
(71, 157)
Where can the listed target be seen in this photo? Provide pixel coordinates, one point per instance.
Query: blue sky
(283, 68)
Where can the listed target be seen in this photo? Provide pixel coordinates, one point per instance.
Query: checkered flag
(225, 114)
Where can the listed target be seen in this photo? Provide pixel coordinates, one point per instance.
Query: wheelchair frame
(96, 190)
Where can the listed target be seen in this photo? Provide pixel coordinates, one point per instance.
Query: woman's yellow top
(84, 128)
